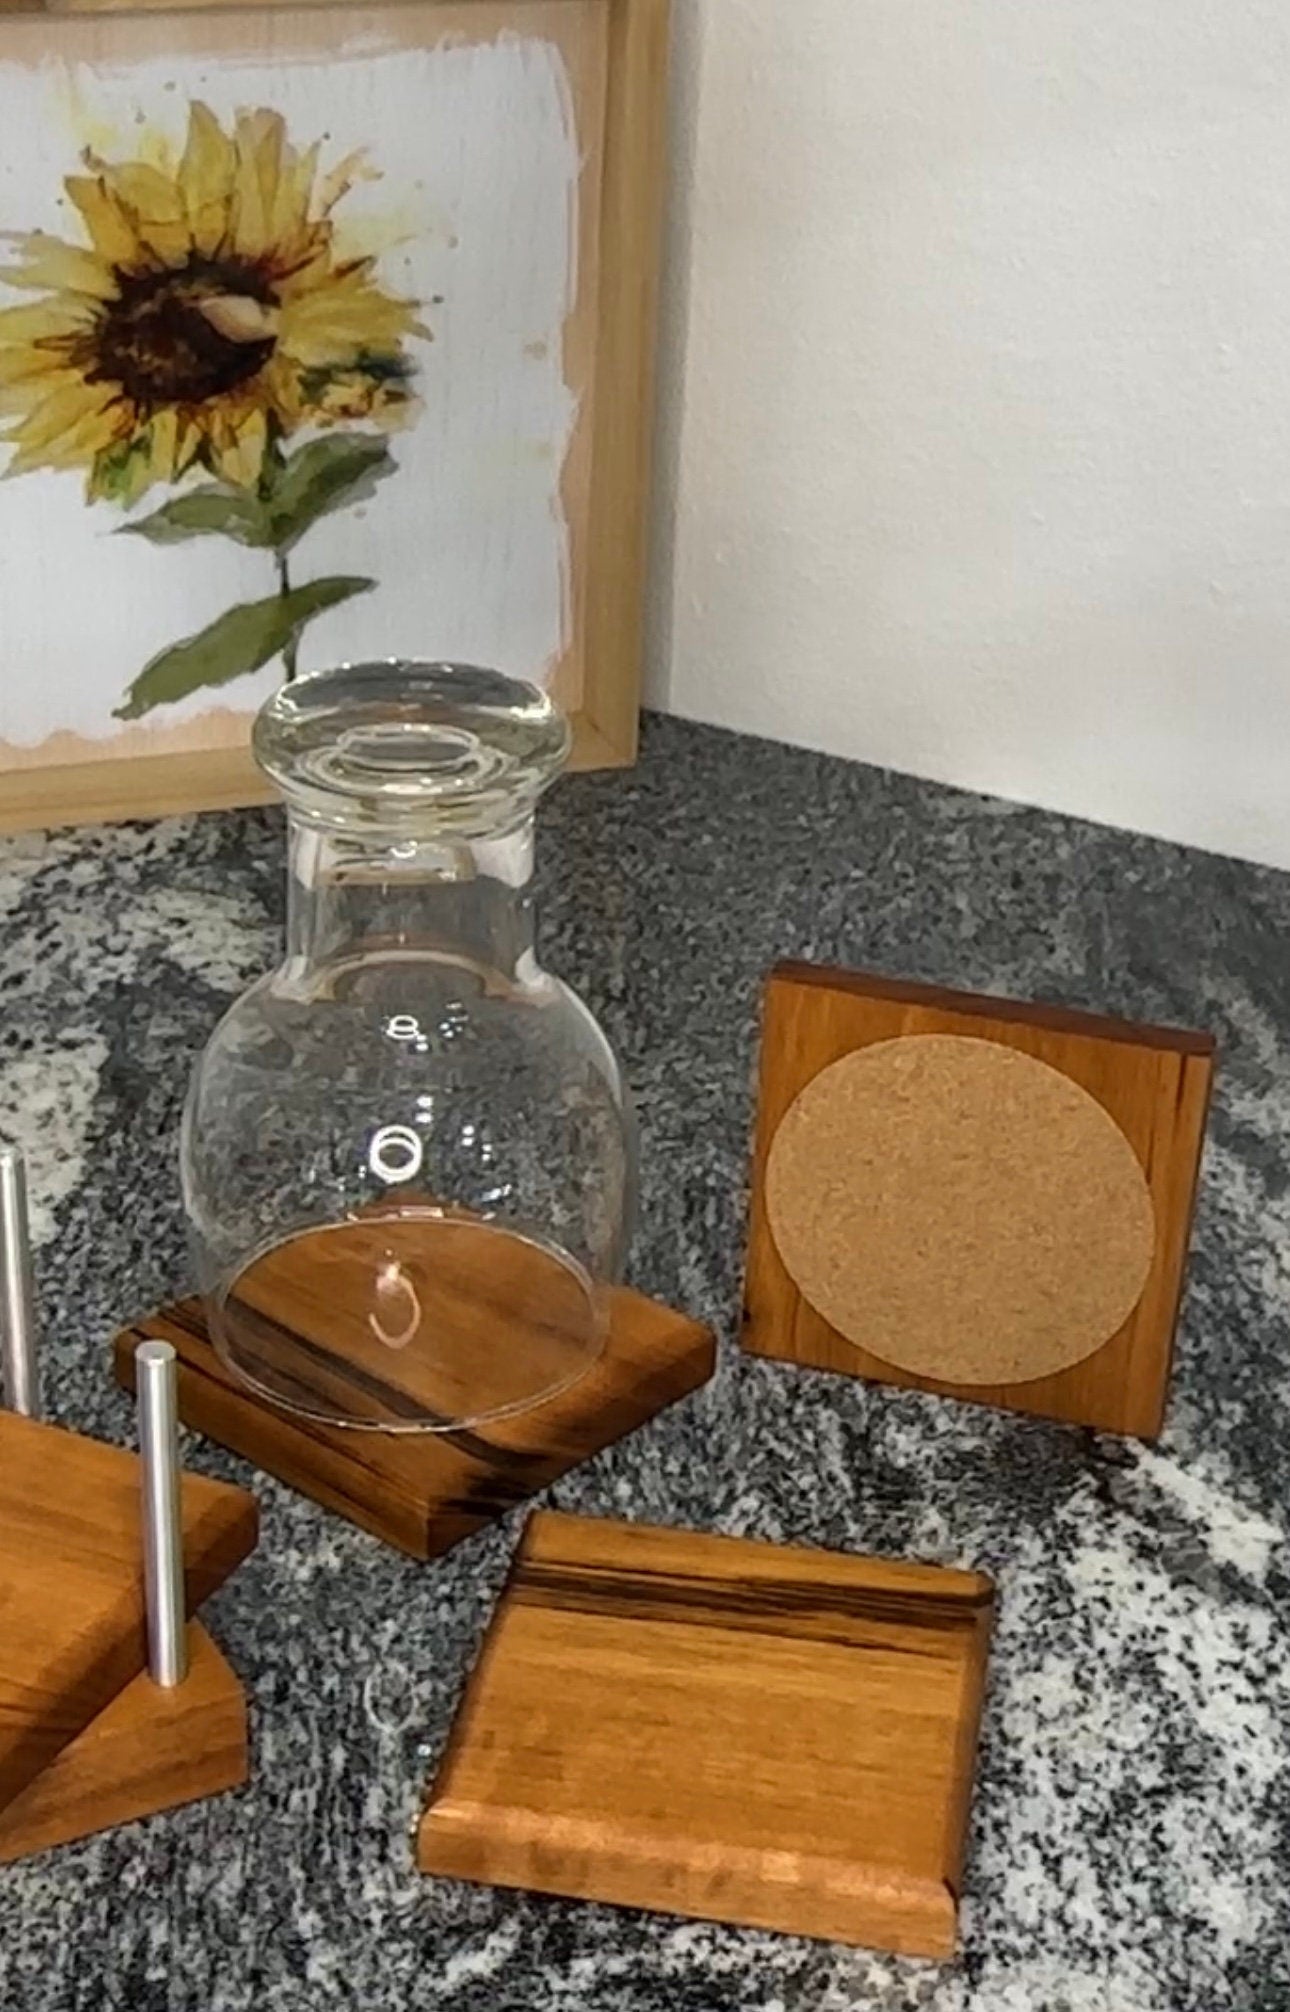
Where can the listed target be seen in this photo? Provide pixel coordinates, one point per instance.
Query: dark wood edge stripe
(1030, 1013)
(354, 1481)
(504, 1459)
(346, 1441)
(390, 1401)
(505, 1478)
(782, 1605)
(520, 1465)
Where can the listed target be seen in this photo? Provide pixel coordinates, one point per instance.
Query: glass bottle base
(409, 1320)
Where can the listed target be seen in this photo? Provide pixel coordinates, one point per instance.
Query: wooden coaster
(966, 1195)
(149, 1750)
(424, 1492)
(731, 1731)
(71, 1582)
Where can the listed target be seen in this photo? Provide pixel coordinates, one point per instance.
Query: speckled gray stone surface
(1131, 1837)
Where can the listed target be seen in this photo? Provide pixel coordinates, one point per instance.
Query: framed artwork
(325, 334)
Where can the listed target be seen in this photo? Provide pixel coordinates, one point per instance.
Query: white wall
(975, 454)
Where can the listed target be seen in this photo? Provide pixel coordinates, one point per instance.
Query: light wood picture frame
(612, 57)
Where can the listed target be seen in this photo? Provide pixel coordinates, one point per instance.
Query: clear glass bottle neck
(355, 895)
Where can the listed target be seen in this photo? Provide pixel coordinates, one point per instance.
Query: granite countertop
(1131, 1833)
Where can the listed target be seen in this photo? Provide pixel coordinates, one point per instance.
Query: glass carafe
(408, 1155)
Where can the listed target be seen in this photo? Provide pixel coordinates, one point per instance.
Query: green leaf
(234, 513)
(329, 474)
(120, 474)
(243, 640)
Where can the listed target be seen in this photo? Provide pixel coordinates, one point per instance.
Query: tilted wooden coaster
(424, 1492)
(972, 1196)
(732, 1731)
(149, 1750)
(71, 1583)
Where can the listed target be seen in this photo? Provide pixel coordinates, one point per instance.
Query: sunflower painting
(284, 340)
(205, 319)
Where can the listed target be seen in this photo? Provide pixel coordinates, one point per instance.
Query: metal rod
(17, 1301)
(163, 1535)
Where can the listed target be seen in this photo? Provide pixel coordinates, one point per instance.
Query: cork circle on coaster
(960, 1210)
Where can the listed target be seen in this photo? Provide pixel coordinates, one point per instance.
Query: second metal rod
(163, 1532)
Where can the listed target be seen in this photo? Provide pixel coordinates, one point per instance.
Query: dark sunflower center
(181, 337)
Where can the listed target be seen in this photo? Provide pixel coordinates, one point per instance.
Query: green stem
(274, 462)
(284, 587)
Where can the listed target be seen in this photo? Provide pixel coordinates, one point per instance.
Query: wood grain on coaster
(148, 1750)
(731, 1731)
(72, 1631)
(424, 1492)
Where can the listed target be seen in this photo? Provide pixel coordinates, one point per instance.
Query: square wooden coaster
(423, 1493)
(1152, 1083)
(72, 1631)
(732, 1731)
(149, 1750)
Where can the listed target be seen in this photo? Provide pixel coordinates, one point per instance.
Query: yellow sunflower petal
(356, 395)
(335, 325)
(165, 441)
(52, 320)
(111, 227)
(155, 205)
(24, 394)
(25, 363)
(38, 446)
(237, 445)
(355, 281)
(189, 440)
(258, 140)
(340, 180)
(206, 175)
(50, 263)
(309, 264)
(63, 411)
(262, 138)
(350, 395)
(281, 381)
(290, 223)
(17, 399)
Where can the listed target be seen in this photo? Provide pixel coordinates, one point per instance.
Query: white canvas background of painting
(476, 204)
